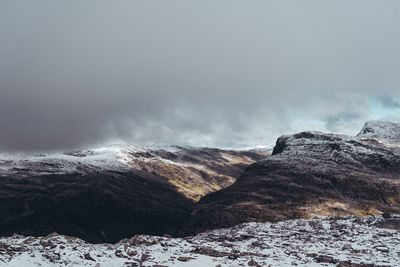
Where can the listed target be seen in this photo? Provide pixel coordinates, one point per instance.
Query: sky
(221, 73)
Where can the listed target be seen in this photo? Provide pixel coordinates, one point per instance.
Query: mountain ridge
(310, 174)
(154, 191)
(109, 193)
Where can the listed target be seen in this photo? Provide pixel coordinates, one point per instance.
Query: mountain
(270, 204)
(311, 174)
(384, 131)
(109, 193)
(195, 172)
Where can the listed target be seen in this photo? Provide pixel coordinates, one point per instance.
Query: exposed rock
(88, 257)
(311, 174)
(252, 262)
(118, 253)
(185, 259)
(382, 249)
(210, 252)
(325, 258)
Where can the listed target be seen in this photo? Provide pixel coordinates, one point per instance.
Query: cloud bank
(207, 73)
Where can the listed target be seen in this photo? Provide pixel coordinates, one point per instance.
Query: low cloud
(226, 73)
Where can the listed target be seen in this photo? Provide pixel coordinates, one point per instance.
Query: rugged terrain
(319, 199)
(342, 241)
(312, 174)
(195, 172)
(106, 194)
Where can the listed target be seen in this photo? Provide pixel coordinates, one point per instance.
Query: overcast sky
(202, 73)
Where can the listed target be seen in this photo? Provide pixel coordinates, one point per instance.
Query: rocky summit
(312, 174)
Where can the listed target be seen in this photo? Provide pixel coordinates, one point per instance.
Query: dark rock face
(308, 174)
(97, 207)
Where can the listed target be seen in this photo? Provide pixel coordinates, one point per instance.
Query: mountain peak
(385, 131)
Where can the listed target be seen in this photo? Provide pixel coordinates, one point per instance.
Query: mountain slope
(106, 194)
(98, 207)
(195, 172)
(311, 174)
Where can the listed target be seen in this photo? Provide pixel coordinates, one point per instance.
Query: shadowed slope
(97, 207)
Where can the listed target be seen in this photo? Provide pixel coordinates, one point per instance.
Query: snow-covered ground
(61, 162)
(111, 157)
(346, 241)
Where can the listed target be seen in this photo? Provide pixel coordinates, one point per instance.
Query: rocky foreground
(336, 241)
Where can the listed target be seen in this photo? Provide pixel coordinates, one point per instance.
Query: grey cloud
(225, 73)
(389, 101)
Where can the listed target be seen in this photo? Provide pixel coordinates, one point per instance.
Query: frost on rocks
(384, 131)
(346, 241)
